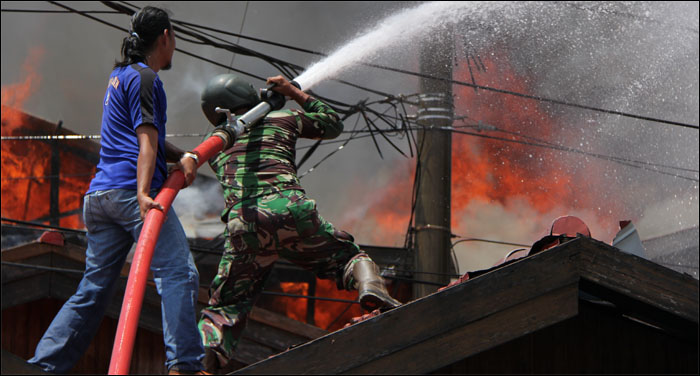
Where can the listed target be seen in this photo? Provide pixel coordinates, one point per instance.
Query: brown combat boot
(362, 273)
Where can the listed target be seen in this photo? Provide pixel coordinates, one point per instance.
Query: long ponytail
(146, 26)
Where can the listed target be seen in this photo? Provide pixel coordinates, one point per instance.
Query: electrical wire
(272, 293)
(177, 49)
(408, 240)
(28, 223)
(472, 84)
(44, 177)
(196, 248)
(311, 297)
(422, 75)
(599, 10)
(84, 137)
(567, 149)
(549, 145)
(308, 154)
(541, 143)
(372, 134)
(273, 61)
(281, 261)
(377, 130)
(533, 97)
(465, 239)
(245, 14)
(352, 136)
(328, 327)
(645, 165)
(355, 131)
(77, 271)
(58, 11)
(290, 70)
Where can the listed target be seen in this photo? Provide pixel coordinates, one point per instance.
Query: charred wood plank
(12, 273)
(480, 335)
(25, 251)
(640, 279)
(274, 338)
(248, 352)
(25, 290)
(285, 323)
(14, 365)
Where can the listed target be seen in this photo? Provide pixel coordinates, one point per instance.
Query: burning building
(43, 180)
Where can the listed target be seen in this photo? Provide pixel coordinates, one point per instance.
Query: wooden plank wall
(597, 341)
(640, 279)
(23, 326)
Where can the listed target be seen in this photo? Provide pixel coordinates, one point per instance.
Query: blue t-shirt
(134, 96)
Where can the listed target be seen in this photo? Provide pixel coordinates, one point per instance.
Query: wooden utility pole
(432, 223)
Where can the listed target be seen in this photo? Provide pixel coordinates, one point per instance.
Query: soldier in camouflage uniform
(268, 215)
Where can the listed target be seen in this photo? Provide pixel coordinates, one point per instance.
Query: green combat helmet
(227, 91)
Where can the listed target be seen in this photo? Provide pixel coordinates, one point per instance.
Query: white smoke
(514, 221)
(199, 208)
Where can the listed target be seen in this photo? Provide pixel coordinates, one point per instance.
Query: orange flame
(26, 164)
(294, 307)
(496, 172)
(14, 95)
(328, 315)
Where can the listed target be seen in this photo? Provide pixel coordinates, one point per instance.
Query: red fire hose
(136, 285)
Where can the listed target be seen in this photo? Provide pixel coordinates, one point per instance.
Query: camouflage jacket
(262, 160)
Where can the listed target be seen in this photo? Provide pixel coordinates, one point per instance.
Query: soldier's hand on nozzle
(285, 88)
(282, 86)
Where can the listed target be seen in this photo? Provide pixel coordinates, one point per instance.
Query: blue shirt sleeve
(141, 97)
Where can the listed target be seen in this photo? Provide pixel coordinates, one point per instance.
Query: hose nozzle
(234, 127)
(275, 99)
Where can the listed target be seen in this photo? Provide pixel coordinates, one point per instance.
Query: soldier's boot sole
(374, 298)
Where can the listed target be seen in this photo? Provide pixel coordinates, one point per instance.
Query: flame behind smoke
(518, 189)
(26, 164)
(500, 172)
(14, 95)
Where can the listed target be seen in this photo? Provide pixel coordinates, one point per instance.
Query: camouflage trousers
(259, 231)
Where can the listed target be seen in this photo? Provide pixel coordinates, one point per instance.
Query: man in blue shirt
(131, 170)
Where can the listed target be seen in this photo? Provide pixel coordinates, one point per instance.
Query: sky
(638, 58)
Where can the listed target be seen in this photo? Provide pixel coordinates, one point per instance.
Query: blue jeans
(113, 222)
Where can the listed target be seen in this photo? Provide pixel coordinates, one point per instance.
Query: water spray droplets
(397, 32)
